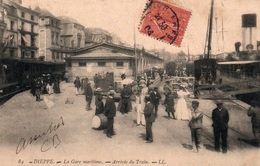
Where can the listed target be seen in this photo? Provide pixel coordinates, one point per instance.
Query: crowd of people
(85, 86)
(45, 84)
(144, 100)
(135, 96)
(194, 115)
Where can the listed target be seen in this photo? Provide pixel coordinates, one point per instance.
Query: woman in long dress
(182, 112)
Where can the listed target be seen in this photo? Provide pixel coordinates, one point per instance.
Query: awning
(10, 37)
(24, 39)
(237, 62)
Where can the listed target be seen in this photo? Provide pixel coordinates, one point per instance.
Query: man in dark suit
(125, 99)
(155, 98)
(89, 96)
(254, 113)
(110, 113)
(220, 117)
(149, 118)
(38, 88)
(167, 90)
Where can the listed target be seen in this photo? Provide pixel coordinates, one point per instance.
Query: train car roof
(238, 62)
(39, 62)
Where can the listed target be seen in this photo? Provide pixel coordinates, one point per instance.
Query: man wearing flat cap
(110, 113)
(254, 113)
(155, 99)
(220, 117)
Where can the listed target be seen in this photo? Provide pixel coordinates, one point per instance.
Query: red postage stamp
(164, 21)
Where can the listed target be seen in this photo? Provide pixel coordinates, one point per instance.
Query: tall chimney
(249, 30)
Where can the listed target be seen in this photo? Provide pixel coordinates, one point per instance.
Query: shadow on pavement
(105, 131)
(166, 117)
(187, 146)
(143, 136)
(250, 142)
(97, 129)
(209, 147)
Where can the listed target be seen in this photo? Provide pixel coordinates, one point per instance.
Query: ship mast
(205, 46)
(223, 45)
(210, 30)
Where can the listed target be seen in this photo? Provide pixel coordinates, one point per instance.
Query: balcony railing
(29, 47)
(13, 44)
(23, 31)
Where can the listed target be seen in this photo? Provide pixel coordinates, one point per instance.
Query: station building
(108, 57)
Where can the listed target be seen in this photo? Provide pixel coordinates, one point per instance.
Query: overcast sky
(122, 17)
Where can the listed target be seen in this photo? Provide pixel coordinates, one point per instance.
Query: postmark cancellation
(164, 21)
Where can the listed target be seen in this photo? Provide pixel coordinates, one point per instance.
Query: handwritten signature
(47, 144)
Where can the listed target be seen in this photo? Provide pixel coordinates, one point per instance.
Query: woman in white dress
(181, 110)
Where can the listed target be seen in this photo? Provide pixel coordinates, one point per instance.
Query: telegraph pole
(135, 53)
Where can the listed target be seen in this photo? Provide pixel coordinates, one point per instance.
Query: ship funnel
(249, 31)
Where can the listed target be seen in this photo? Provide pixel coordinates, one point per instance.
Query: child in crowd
(196, 126)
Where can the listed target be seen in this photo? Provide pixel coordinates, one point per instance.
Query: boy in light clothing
(196, 126)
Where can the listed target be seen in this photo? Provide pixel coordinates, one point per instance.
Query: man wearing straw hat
(220, 117)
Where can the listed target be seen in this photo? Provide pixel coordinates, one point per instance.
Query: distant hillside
(89, 32)
(168, 56)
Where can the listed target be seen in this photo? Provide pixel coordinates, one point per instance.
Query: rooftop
(44, 12)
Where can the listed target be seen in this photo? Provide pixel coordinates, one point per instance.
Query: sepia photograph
(129, 82)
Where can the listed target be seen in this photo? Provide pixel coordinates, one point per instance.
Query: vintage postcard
(129, 82)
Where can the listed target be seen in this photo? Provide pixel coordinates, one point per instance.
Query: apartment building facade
(10, 33)
(21, 33)
(49, 37)
(72, 34)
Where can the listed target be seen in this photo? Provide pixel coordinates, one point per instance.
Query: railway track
(6, 96)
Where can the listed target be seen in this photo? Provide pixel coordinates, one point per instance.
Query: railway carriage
(17, 74)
